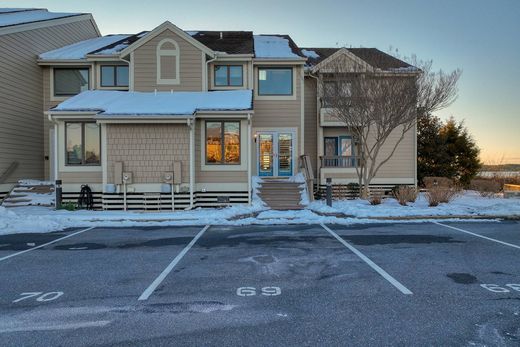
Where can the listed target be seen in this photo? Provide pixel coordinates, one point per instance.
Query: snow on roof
(108, 102)
(310, 54)
(273, 47)
(80, 49)
(17, 16)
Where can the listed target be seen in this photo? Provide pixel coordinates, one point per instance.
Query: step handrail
(10, 169)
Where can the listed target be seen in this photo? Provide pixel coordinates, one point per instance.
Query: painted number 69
(266, 291)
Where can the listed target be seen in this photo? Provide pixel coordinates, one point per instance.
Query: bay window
(223, 142)
(82, 143)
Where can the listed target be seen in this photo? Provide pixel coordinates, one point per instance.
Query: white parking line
(45, 244)
(373, 265)
(478, 235)
(149, 291)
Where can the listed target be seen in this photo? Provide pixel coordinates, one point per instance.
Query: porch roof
(118, 103)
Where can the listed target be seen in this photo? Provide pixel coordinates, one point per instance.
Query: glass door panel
(285, 155)
(265, 155)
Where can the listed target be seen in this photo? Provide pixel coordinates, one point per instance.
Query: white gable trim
(160, 29)
(345, 52)
(48, 23)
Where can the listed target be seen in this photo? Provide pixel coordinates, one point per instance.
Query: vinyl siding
(81, 177)
(145, 66)
(311, 119)
(21, 97)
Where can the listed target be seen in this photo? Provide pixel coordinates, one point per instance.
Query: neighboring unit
(24, 34)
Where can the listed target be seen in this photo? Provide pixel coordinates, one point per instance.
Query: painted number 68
(497, 289)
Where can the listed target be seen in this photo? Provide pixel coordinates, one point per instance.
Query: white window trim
(244, 150)
(168, 52)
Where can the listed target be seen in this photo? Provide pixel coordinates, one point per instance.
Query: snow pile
(80, 49)
(300, 178)
(14, 16)
(273, 47)
(468, 204)
(110, 102)
(310, 54)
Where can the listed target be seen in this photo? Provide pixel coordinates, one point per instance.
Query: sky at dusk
(480, 37)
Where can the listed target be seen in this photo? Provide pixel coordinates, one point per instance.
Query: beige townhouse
(174, 119)
(24, 34)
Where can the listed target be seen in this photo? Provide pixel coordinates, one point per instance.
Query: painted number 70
(40, 296)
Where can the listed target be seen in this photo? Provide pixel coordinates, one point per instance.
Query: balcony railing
(338, 161)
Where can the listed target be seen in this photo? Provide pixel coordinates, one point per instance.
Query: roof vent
(221, 35)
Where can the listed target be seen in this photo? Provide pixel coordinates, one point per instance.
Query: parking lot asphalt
(366, 284)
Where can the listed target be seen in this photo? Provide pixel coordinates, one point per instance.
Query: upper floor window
(275, 81)
(82, 143)
(69, 81)
(114, 76)
(335, 89)
(168, 56)
(228, 75)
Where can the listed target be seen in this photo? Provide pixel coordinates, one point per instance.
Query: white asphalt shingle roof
(17, 16)
(117, 103)
(80, 49)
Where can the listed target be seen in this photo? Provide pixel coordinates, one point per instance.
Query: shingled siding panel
(147, 150)
(145, 66)
(21, 99)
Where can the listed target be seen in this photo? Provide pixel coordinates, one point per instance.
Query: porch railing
(338, 161)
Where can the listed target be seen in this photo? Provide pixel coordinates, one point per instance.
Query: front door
(275, 153)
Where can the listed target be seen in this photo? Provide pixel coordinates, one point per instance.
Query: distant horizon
(477, 36)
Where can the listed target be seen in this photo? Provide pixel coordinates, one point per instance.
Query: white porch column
(56, 151)
(191, 124)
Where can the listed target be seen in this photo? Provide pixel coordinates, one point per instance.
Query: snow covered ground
(37, 219)
(469, 203)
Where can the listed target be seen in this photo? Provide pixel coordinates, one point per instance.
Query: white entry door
(275, 153)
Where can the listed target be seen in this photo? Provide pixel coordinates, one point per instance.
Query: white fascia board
(48, 23)
(47, 62)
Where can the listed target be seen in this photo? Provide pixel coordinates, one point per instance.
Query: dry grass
(486, 187)
(405, 194)
(438, 181)
(437, 194)
(376, 198)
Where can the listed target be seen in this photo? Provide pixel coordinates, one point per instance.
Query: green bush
(69, 206)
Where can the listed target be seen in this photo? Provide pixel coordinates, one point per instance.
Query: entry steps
(280, 194)
(30, 193)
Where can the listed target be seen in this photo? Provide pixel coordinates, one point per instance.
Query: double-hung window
(228, 76)
(82, 143)
(275, 81)
(68, 82)
(114, 76)
(223, 142)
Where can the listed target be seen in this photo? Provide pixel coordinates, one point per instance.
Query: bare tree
(374, 104)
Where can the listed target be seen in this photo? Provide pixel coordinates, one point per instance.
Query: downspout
(191, 125)
(207, 69)
(249, 159)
